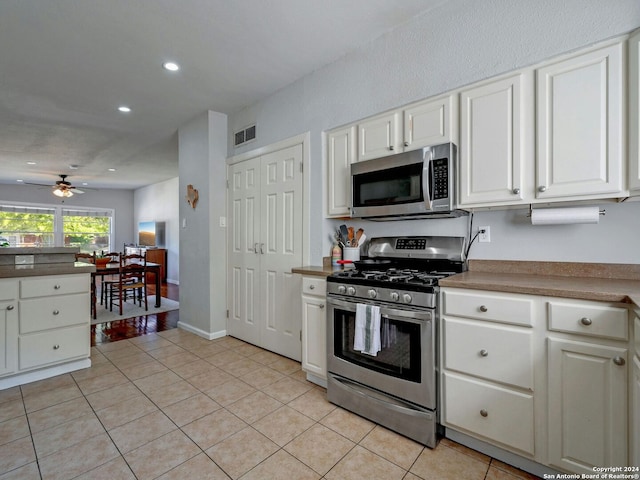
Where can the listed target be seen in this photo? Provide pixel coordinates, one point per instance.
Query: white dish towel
(367, 334)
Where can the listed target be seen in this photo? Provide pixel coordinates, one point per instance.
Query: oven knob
(395, 296)
(351, 291)
(342, 289)
(406, 298)
(373, 293)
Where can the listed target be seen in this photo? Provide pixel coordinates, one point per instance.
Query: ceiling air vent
(243, 136)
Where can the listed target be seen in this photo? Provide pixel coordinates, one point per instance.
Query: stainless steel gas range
(382, 327)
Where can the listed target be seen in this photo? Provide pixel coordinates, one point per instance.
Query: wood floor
(103, 333)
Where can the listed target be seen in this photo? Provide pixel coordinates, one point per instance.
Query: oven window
(391, 186)
(400, 354)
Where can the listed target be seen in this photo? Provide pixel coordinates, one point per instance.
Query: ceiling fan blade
(38, 184)
(75, 190)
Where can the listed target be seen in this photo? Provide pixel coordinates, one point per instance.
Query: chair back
(86, 257)
(132, 268)
(114, 257)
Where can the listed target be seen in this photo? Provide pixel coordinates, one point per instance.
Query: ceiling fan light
(60, 192)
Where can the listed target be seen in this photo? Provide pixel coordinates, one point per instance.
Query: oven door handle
(413, 316)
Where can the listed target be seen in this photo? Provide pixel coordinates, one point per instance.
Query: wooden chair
(89, 258)
(105, 283)
(132, 281)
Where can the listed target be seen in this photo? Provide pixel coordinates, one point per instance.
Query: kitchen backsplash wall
(458, 43)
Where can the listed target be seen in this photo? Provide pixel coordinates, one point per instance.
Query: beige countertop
(315, 270)
(13, 271)
(601, 282)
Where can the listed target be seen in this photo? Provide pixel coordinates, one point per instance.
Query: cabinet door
(429, 123)
(588, 418)
(341, 153)
(580, 125)
(314, 342)
(634, 112)
(379, 136)
(496, 139)
(635, 435)
(8, 336)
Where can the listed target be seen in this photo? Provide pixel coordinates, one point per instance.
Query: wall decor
(192, 196)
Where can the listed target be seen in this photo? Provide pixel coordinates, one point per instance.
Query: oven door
(405, 366)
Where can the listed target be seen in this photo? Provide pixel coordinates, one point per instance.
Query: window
(90, 229)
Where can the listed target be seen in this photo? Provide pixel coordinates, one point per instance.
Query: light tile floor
(172, 405)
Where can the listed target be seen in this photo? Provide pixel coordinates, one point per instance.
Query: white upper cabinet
(430, 123)
(496, 142)
(380, 136)
(341, 153)
(425, 123)
(634, 113)
(580, 125)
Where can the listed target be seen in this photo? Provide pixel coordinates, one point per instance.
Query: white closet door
(281, 247)
(244, 251)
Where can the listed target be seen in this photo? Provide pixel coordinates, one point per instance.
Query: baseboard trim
(43, 373)
(200, 332)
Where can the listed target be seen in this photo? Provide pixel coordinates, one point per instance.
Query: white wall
(461, 42)
(159, 203)
(202, 162)
(120, 200)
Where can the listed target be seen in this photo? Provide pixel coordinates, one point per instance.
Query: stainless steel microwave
(413, 184)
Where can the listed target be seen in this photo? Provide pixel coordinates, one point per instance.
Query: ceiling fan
(62, 188)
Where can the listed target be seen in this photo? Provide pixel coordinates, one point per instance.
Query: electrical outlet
(485, 234)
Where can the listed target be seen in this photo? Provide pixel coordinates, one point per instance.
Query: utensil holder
(351, 253)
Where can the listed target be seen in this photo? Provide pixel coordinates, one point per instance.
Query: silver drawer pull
(56, 347)
(56, 287)
(56, 312)
(484, 353)
(619, 361)
(483, 308)
(586, 321)
(9, 307)
(321, 306)
(484, 413)
(312, 287)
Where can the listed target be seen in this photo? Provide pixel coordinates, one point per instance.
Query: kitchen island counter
(14, 271)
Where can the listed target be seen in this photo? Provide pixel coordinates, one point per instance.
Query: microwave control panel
(440, 178)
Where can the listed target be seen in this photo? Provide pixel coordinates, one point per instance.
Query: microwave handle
(427, 173)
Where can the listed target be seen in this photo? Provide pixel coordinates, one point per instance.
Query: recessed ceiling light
(73, 167)
(124, 109)
(171, 66)
(85, 183)
(31, 163)
(111, 169)
(19, 180)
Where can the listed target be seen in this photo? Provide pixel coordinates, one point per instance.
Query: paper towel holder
(602, 211)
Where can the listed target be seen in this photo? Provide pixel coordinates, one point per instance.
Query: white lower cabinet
(45, 327)
(8, 326)
(314, 320)
(587, 405)
(558, 369)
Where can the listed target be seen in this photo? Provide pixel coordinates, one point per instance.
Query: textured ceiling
(66, 65)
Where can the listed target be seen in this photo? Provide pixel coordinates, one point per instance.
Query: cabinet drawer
(39, 349)
(495, 352)
(8, 289)
(54, 285)
(54, 312)
(589, 319)
(636, 335)
(314, 286)
(489, 411)
(487, 306)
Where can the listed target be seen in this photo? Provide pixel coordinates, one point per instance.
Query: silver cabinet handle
(56, 312)
(56, 287)
(542, 188)
(391, 147)
(321, 306)
(516, 191)
(483, 308)
(406, 144)
(484, 413)
(586, 321)
(56, 347)
(9, 307)
(619, 361)
(312, 287)
(255, 248)
(484, 353)
(262, 248)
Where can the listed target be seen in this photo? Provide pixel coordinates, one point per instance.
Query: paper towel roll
(561, 216)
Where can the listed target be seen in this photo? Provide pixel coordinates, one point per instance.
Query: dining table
(114, 267)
